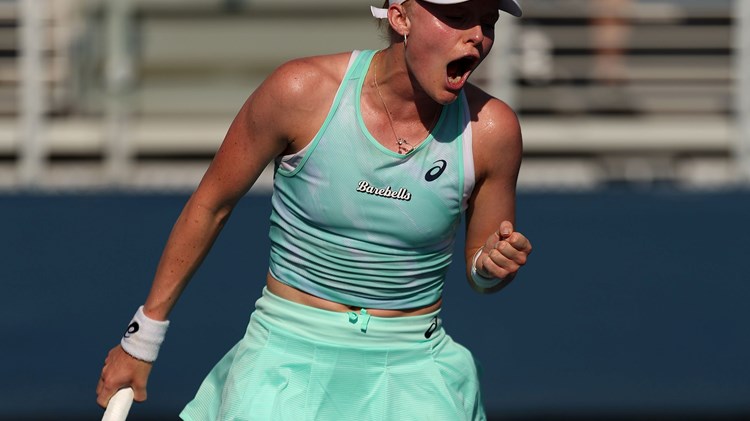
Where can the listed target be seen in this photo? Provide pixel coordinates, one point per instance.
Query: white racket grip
(119, 405)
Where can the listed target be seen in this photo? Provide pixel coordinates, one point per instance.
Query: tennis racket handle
(119, 405)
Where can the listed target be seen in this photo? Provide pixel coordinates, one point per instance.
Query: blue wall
(632, 303)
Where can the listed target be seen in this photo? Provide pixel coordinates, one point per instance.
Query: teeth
(454, 79)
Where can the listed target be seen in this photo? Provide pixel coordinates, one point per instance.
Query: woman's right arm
(250, 144)
(280, 117)
(256, 136)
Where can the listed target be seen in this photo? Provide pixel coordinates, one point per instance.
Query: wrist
(144, 336)
(479, 276)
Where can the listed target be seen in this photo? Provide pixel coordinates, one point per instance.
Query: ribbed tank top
(356, 223)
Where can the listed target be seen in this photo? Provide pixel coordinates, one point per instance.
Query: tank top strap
(358, 68)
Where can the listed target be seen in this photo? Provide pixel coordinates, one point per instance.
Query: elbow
(222, 214)
(207, 213)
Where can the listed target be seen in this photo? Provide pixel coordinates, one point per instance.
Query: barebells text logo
(400, 194)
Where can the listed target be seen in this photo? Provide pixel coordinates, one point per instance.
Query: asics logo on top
(436, 171)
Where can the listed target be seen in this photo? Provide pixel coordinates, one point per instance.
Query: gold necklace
(404, 147)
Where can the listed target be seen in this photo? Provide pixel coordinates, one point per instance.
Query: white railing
(31, 92)
(742, 101)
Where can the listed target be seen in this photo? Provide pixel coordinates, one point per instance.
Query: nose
(475, 34)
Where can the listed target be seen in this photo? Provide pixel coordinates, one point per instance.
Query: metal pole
(119, 77)
(31, 86)
(742, 93)
(501, 69)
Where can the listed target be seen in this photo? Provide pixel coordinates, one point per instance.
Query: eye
(490, 21)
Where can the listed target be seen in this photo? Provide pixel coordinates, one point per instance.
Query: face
(447, 42)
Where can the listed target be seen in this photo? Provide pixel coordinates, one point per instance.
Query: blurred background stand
(138, 94)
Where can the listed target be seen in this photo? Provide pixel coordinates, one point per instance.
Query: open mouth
(459, 70)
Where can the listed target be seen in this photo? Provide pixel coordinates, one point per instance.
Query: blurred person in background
(610, 31)
(378, 155)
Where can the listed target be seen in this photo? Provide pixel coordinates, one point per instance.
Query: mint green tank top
(356, 223)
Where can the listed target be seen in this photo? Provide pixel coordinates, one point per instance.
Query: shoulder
(308, 78)
(295, 98)
(492, 119)
(496, 131)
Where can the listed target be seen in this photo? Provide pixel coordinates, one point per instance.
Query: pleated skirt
(298, 363)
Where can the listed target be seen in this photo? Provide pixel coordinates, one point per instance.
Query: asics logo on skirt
(430, 330)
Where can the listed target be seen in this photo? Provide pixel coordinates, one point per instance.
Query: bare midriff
(287, 292)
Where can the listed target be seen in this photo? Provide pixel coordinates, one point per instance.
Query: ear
(398, 19)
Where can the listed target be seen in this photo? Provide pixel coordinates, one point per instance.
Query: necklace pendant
(404, 148)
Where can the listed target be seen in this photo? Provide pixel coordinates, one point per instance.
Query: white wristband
(479, 279)
(144, 336)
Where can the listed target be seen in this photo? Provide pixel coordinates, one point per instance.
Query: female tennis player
(378, 155)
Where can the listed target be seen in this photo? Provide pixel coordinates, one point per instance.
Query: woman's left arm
(494, 250)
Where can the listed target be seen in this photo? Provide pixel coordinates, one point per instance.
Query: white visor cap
(510, 6)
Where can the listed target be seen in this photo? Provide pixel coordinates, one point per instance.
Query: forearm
(189, 242)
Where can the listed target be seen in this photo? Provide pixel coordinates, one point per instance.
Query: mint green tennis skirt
(298, 363)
